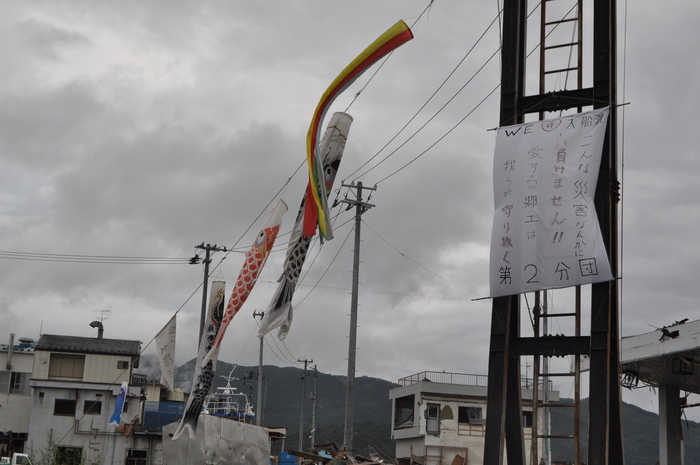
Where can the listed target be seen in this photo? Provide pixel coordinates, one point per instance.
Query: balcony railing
(464, 379)
(446, 378)
(137, 378)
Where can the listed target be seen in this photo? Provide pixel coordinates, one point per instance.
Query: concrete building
(57, 397)
(665, 359)
(75, 382)
(439, 418)
(16, 362)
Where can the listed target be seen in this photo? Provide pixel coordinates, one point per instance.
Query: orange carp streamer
(254, 261)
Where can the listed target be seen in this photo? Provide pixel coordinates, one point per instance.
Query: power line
(418, 264)
(105, 259)
(454, 70)
(405, 294)
(444, 135)
(153, 260)
(440, 110)
(422, 107)
(327, 268)
(357, 95)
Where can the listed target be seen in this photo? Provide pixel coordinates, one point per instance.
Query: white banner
(545, 229)
(165, 345)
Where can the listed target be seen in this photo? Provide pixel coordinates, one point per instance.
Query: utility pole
(303, 395)
(360, 208)
(249, 383)
(313, 409)
(258, 401)
(264, 401)
(205, 284)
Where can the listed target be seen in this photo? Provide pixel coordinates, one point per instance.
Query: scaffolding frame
(504, 424)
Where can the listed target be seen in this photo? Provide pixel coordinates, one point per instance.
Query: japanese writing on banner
(545, 229)
(165, 342)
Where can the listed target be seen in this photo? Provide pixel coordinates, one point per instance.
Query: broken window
(92, 407)
(64, 407)
(136, 457)
(69, 455)
(432, 417)
(470, 415)
(403, 411)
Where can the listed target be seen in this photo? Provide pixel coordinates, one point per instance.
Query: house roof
(88, 345)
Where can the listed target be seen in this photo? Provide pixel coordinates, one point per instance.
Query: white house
(439, 418)
(75, 382)
(16, 361)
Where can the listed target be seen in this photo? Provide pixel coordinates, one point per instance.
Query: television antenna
(104, 313)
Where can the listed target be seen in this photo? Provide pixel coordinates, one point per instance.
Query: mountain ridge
(282, 398)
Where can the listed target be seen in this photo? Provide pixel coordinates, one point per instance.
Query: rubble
(330, 454)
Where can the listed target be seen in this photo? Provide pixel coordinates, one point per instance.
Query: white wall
(99, 368)
(90, 432)
(15, 408)
(453, 437)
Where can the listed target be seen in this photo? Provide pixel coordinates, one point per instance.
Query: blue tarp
(157, 414)
(285, 458)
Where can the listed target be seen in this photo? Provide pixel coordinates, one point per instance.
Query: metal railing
(445, 378)
(465, 379)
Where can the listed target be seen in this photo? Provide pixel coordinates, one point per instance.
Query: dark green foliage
(640, 431)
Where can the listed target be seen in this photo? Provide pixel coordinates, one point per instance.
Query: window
(470, 415)
(12, 382)
(69, 455)
(432, 417)
(66, 366)
(527, 419)
(136, 457)
(64, 407)
(4, 382)
(92, 407)
(19, 383)
(122, 364)
(403, 412)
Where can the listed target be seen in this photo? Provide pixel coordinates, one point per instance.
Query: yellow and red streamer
(316, 208)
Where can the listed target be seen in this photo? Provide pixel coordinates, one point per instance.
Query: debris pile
(330, 454)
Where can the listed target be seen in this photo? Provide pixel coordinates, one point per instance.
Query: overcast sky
(141, 129)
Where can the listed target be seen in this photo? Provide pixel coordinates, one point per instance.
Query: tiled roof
(89, 345)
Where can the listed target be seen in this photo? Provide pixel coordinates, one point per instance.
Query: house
(16, 361)
(439, 418)
(57, 399)
(74, 384)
